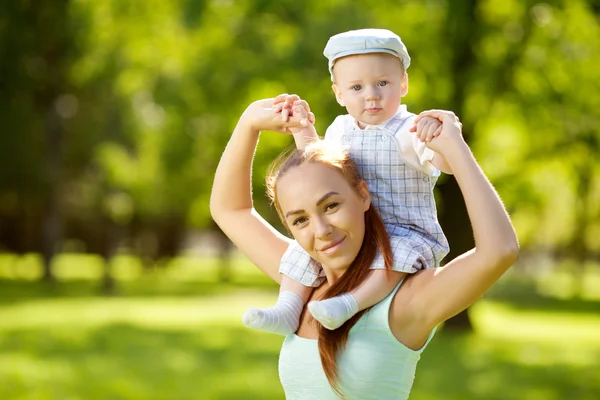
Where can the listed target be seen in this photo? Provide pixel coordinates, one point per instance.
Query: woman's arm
(231, 197)
(438, 294)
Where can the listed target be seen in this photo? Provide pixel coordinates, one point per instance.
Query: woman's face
(324, 213)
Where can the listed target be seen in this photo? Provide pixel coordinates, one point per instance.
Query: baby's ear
(338, 95)
(404, 85)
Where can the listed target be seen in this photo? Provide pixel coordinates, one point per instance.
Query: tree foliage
(115, 113)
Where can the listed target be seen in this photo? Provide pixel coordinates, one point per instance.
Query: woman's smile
(332, 247)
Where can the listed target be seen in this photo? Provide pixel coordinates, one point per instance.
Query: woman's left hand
(450, 134)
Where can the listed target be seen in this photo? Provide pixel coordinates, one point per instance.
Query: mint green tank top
(374, 365)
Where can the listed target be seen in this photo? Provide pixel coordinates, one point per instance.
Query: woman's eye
(383, 83)
(331, 206)
(356, 88)
(299, 221)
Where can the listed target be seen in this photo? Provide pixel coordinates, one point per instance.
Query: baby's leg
(284, 317)
(376, 287)
(333, 312)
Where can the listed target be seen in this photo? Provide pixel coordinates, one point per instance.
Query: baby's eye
(383, 83)
(356, 88)
(331, 206)
(299, 221)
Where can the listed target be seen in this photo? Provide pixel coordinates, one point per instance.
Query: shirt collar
(401, 110)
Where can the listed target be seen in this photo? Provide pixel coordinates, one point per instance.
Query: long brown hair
(331, 342)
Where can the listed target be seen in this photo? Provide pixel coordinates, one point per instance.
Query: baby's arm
(289, 284)
(376, 287)
(288, 105)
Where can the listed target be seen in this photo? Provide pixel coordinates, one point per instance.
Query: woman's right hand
(260, 116)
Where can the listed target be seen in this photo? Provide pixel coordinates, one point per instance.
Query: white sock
(333, 312)
(283, 318)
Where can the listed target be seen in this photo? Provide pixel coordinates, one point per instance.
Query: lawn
(176, 334)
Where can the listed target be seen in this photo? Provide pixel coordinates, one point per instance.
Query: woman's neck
(333, 275)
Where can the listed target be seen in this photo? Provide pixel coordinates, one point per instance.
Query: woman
(327, 208)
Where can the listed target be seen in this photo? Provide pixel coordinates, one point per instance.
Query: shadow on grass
(18, 291)
(129, 362)
(467, 367)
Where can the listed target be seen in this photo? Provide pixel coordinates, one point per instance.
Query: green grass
(176, 334)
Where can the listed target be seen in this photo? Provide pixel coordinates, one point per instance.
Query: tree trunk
(50, 18)
(456, 225)
(113, 234)
(454, 219)
(225, 253)
(52, 221)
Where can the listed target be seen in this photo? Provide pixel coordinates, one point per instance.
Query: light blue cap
(364, 41)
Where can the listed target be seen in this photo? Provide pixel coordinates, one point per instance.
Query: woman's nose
(323, 228)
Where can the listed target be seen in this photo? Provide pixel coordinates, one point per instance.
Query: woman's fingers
(283, 103)
(288, 105)
(280, 98)
(441, 115)
(303, 104)
(285, 112)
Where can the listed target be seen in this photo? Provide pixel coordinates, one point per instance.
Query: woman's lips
(332, 247)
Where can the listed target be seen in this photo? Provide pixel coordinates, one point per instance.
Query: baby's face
(370, 86)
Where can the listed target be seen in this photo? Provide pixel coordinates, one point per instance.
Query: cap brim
(361, 51)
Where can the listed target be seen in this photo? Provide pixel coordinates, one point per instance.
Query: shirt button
(426, 197)
(425, 179)
(384, 138)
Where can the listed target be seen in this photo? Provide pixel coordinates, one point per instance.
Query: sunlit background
(116, 284)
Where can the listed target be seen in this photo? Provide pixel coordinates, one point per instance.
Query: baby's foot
(283, 318)
(333, 312)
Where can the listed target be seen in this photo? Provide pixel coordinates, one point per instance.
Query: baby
(368, 71)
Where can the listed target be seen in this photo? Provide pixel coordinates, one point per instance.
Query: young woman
(327, 208)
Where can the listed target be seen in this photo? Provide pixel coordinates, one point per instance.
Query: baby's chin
(362, 122)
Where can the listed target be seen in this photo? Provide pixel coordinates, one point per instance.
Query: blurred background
(116, 284)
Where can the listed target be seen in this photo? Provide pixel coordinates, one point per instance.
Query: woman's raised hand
(287, 105)
(262, 115)
(450, 134)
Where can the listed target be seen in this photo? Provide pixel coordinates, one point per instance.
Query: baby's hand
(291, 105)
(427, 128)
(450, 135)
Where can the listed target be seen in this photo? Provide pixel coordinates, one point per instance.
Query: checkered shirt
(402, 194)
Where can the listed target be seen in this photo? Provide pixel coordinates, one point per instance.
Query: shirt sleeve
(424, 153)
(334, 132)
